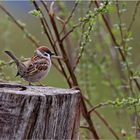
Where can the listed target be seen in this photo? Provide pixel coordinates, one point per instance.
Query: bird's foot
(30, 84)
(40, 84)
(75, 87)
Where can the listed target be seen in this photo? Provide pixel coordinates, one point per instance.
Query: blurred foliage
(101, 70)
(35, 13)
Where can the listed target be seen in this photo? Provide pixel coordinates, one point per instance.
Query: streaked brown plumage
(36, 67)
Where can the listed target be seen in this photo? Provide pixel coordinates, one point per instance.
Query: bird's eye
(46, 54)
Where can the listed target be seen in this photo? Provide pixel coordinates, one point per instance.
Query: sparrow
(37, 67)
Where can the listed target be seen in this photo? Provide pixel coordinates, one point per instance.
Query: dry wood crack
(35, 112)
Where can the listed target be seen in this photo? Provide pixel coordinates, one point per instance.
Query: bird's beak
(52, 53)
(55, 56)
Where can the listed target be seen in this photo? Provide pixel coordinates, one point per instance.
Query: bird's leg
(75, 87)
(30, 84)
(40, 84)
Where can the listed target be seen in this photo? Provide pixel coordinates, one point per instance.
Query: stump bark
(35, 112)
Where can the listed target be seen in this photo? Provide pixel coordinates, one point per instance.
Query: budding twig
(119, 49)
(57, 57)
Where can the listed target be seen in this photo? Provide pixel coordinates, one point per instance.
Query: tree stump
(35, 112)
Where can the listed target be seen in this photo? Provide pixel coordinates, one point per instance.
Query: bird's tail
(12, 56)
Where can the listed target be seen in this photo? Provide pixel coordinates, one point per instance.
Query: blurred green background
(12, 38)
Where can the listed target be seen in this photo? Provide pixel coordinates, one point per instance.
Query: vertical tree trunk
(34, 112)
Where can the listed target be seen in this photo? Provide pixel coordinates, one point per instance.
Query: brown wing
(37, 66)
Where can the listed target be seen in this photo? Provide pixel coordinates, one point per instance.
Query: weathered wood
(35, 112)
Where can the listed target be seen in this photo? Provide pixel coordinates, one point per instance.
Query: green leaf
(35, 13)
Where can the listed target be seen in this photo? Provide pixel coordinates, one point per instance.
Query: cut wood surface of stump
(35, 112)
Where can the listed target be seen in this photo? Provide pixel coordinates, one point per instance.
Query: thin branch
(134, 15)
(120, 22)
(46, 23)
(85, 127)
(97, 106)
(108, 27)
(50, 40)
(130, 72)
(107, 76)
(81, 50)
(120, 50)
(53, 43)
(123, 43)
(72, 12)
(64, 22)
(87, 117)
(42, 21)
(57, 57)
(28, 35)
(47, 26)
(63, 51)
(78, 58)
(73, 77)
(104, 121)
(69, 17)
(137, 116)
(70, 31)
(107, 124)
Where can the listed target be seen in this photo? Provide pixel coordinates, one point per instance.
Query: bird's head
(43, 51)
